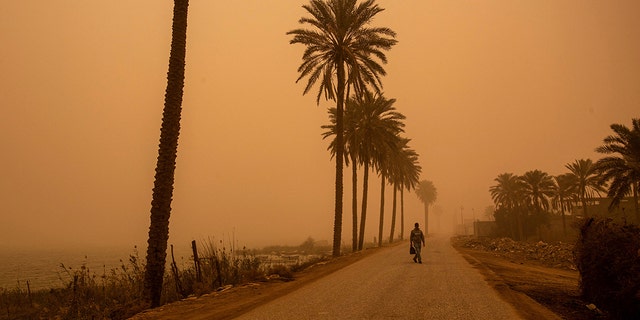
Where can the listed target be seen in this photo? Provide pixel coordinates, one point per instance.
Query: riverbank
(43, 268)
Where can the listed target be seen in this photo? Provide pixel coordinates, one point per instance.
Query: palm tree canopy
(623, 170)
(566, 184)
(371, 128)
(566, 188)
(409, 168)
(341, 35)
(404, 170)
(586, 180)
(427, 192)
(378, 128)
(341, 45)
(506, 193)
(538, 188)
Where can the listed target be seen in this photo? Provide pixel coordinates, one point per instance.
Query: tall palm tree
(394, 177)
(410, 176)
(383, 166)
(428, 194)
(372, 126)
(378, 128)
(566, 190)
(351, 145)
(341, 44)
(371, 130)
(507, 197)
(538, 188)
(405, 173)
(352, 152)
(586, 179)
(623, 170)
(167, 153)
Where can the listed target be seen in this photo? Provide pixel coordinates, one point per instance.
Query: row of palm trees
(373, 142)
(344, 53)
(525, 202)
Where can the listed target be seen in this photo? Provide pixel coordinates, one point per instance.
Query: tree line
(523, 203)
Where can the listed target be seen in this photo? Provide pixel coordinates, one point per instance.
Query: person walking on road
(417, 241)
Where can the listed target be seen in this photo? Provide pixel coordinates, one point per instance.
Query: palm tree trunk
(354, 203)
(426, 218)
(635, 201)
(513, 222)
(381, 210)
(564, 222)
(337, 222)
(584, 205)
(520, 221)
(401, 214)
(363, 216)
(514, 226)
(393, 212)
(538, 224)
(166, 163)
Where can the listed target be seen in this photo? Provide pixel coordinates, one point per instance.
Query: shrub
(608, 258)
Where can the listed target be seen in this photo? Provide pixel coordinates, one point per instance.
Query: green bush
(607, 256)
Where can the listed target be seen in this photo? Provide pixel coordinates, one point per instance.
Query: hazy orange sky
(487, 87)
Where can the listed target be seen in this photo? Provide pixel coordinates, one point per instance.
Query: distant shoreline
(42, 267)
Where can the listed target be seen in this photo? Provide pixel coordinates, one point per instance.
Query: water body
(43, 270)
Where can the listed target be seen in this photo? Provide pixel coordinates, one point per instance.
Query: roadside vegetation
(118, 293)
(602, 197)
(607, 255)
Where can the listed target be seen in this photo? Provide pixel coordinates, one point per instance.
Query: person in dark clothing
(417, 241)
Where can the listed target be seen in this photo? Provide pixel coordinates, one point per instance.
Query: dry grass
(117, 293)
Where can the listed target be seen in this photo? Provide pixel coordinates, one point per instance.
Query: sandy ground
(555, 289)
(538, 292)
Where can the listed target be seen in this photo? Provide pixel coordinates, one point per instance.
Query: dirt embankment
(542, 271)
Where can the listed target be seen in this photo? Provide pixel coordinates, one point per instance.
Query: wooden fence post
(176, 276)
(196, 260)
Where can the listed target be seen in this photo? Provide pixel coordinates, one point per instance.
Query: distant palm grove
(344, 56)
(525, 203)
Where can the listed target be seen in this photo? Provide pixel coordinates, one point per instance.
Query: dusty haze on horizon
(487, 87)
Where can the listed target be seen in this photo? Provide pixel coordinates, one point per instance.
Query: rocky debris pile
(555, 255)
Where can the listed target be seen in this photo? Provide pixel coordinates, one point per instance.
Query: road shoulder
(529, 286)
